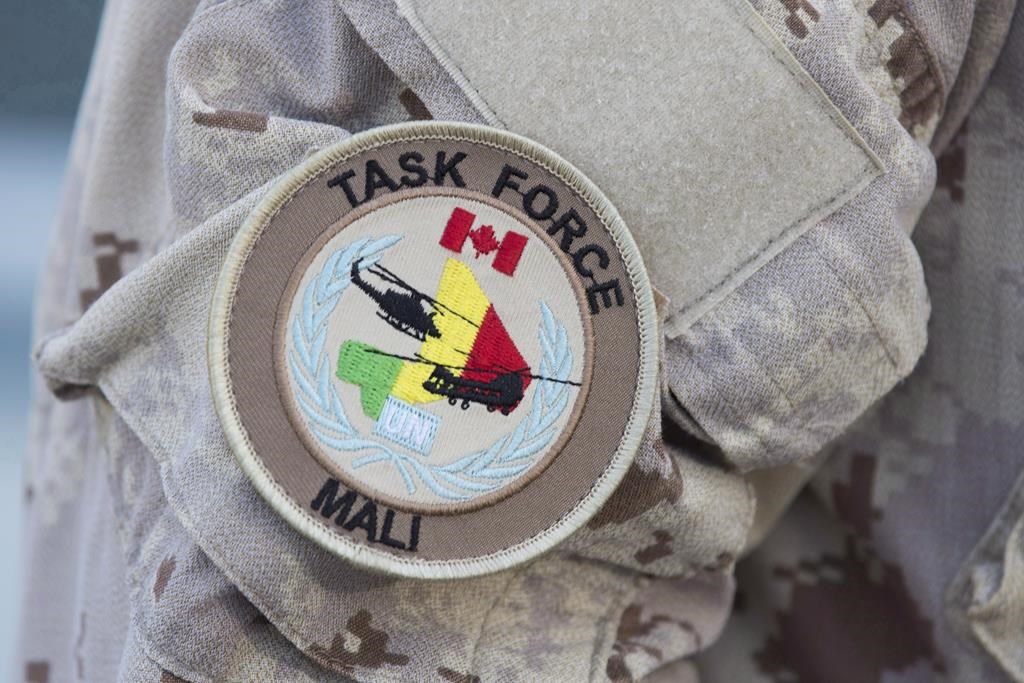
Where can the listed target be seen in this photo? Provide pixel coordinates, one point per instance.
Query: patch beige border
(314, 528)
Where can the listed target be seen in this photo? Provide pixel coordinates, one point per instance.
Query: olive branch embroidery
(473, 474)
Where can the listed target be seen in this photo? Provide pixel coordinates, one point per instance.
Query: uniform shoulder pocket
(716, 146)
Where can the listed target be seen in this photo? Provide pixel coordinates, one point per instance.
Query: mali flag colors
(473, 344)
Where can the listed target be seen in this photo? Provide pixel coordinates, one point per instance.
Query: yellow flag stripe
(459, 291)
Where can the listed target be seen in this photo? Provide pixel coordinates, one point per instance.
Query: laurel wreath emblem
(470, 476)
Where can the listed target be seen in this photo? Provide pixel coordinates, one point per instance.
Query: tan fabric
(990, 588)
(737, 210)
(150, 557)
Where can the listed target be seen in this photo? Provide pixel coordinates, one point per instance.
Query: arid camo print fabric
(815, 500)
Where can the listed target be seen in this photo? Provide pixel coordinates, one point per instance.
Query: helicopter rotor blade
(424, 361)
(389, 276)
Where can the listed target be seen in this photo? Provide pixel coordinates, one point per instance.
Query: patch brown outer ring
(280, 366)
(482, 541)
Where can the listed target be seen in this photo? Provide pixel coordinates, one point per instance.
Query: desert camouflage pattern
(814, 500)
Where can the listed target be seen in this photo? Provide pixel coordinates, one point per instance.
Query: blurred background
(45, 47)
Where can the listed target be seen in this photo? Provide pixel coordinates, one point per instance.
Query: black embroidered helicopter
(412, 313)
(402, 308)
(503, 393)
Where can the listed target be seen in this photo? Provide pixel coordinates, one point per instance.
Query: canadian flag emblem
(460, 228)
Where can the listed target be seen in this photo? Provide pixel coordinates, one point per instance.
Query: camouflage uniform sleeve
(192, 114)
(797, 354)
(901, 559)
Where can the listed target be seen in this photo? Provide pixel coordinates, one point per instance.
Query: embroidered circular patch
(433, 349)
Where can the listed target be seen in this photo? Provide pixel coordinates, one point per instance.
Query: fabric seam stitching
(860, 303)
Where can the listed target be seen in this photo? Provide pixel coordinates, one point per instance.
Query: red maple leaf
(483, 240)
